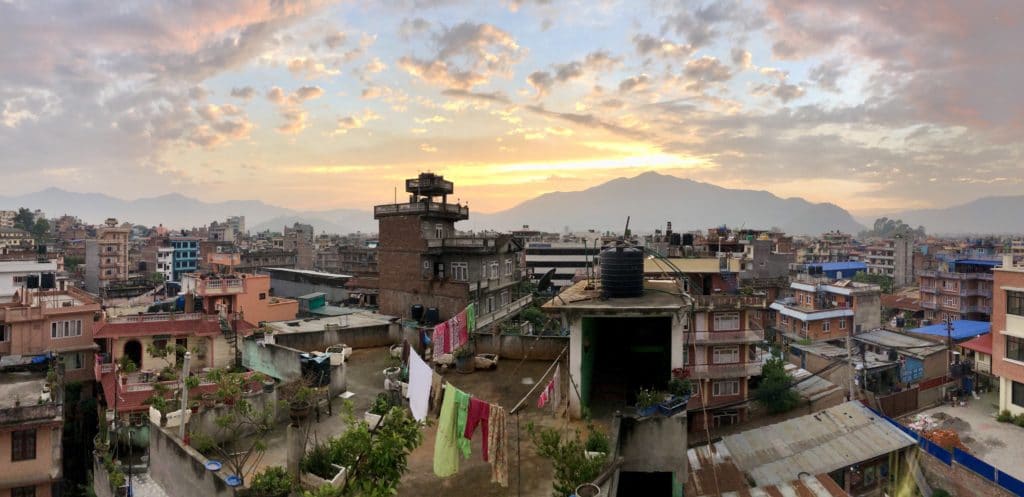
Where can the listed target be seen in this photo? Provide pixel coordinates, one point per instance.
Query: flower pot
(647, 411)
(209, 401)
(268, 386)
(674, 404)
(593, 455)
(465, 364)
(588, 490)
(298, 410)
(486, 361)
(392, 373)
(396, 351)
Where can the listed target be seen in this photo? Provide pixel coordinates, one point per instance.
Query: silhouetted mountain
(988, 215)
(651, 199)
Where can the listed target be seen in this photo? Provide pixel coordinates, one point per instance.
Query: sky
(874, 106)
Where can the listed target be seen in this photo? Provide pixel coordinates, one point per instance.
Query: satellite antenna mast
(625, 232)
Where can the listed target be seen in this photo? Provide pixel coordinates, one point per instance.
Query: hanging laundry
(479, 411)
(462, 328)
(441, 343)
(556, 393)
(420, 378)
(456, 330)
(546, 394)
(462, 413)
(497, 445)
(471, 318)
(446, 453)
(436, 392)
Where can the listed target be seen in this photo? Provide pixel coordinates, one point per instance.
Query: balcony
(980, 309)
(164, 316)
(727, 302)
(975, 292)
(931, 273)
(728, 337)
(222, 286)
(929, 305)
(722, 371)
(453, 211)
(504, 312)
(463, 245)
(930, 290)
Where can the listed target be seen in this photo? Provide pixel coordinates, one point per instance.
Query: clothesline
(539, 382)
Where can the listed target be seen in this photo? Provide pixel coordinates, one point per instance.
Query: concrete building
(14, 275)
(294, 283)
(15, 240)
(826, 311)
(31, 427)
(893, 258)
(1008, 336)
(186, 256)
(960, 289)
(106, 256)
(424, 261)
(42, 322)
(299, 240)
(357, 260)
(570, 260)
(7, 218)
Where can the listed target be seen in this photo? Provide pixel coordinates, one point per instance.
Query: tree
(24, 219)
(568, 457)
(881, 280)
(40, 228)
(776, 392)
(238, 438)
(884, 227)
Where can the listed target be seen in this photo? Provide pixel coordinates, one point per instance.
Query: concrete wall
(541, 348)
(362, 337)
(205, 420)
(271, 359)
(180, 470)
(867, 311)
(655, 444)
(294, 289)
(957, 480)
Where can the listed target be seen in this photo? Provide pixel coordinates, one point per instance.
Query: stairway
(231, 338)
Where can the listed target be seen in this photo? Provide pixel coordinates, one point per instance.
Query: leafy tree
(884, 227)
(876, 279)
(40, 228)
(24, 219)
(776, 392)
(238, 438)
(535, 316)
(567, 455)
(71, 262)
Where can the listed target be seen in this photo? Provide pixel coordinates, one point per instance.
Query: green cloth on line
(462, 407)
(446, 458)
(471, 318)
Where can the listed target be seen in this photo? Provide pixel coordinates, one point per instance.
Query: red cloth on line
(479, 411)
(442, 345)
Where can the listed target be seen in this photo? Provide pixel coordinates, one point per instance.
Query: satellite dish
(545, 281)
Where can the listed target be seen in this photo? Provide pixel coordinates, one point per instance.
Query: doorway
(133, 349)
(621, 356)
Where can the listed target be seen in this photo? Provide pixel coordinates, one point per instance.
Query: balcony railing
(929, 289)
(421, 207)
(982, 309)
(975, 292)
(719, 371)
(929, 305)
(463, 243)
(221, 286)
(720, 337)
(932, 273)
(503, 313)
(164, 316)
(730, 301)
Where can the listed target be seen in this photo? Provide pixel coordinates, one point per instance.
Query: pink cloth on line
(442, 344)
(479, 412)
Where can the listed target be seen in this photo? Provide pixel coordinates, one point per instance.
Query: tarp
(962, 329)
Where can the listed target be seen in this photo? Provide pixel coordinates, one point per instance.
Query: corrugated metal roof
(907, 344)
(808, 486)
(808, 385)
(818, 443)
(962, 328)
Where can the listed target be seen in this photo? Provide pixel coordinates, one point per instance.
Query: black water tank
(32, 281)
(622, 271)
(687, 239)
(432, 316)
(48, 281)
(417, 312)
(676, 239)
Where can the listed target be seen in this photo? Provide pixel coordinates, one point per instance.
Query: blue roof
(840, 266)
(979, 262)
(962, 328)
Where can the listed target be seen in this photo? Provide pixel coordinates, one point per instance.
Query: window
(725, 321)
(494, 270)
(73, 360)
(263, 295)
(54, 327)
(460, 271)
(1015, 348)
(438, 231)
(65, 329)
(1015, 303)
(825, 325)
(725, 388)
(19, 280)
(23, 445)
(490, 303)
(1017, 393)
(5, 330)
(950, 301)
(803, 327)
(842, 324)
(23, 492)
(504, 298)
(686, 354)
(726, 355)
(785, 319)
(508, 267)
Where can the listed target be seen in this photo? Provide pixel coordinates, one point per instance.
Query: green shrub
(381, 405)
(1019, 420)
(272, 482)
(318, 461)
(597, 441)
(938, 492)
(1004, 417)
(646, 398)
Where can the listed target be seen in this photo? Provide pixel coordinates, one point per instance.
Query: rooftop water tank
(622, 271)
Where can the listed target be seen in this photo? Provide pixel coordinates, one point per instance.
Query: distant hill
(988, 215)
(651, 199)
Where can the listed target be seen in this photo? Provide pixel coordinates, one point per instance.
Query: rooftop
(23, 387)
(689, 265)
(27, 266)
(840, 266)
(165, 324)
(306, 272)
(981, 344)
(659, 295)
(355, 319)
(962, 329)
(904, 343)
(815, 444)
(808, 385)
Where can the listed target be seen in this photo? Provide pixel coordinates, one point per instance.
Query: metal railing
(500, 314)
(730, 301)
(460, 242)
(163, 316)
(718, 371)
(932, 273)
(718, 337)
(418, 207)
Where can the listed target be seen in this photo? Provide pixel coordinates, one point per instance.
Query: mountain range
(649, 200)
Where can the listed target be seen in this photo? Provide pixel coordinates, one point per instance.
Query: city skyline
(315, 105)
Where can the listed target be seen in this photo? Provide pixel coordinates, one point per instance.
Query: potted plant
(192, 382)
(268, 383)
(380, 407)
(464, 362)
(209, 400)
(597, 444)
(677, 398)
(647, 402)
(588, 490)
(272, 482)
(300, 403)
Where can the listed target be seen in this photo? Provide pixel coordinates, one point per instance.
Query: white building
(569, 259)
(165, 262)
(14, 275)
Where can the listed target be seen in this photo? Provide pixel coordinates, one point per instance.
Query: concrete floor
(505, 386)
(999, 444)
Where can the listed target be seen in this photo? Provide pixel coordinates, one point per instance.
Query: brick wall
(957, 480)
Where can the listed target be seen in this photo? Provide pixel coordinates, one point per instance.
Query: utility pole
(184, 395)
(949, 349)
(849, 359)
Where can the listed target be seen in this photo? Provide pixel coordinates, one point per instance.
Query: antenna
(625, 232)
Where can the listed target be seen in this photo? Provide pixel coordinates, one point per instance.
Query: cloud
(634, 83)
(741, 58)
(307, 93)
(290, 107)
(348, 123)
(648, 45)
(541, 81)
(467, 55)
(244, 93)
(827, 75)
(491, 96)
(277, 95)
(335, 39)
(426, 147)
(706, 70)
(432, 119)
(310, 68)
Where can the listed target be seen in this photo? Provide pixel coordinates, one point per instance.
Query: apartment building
(833, 246)
(7, 218)
(356, 260)
(423, 261)
(893, 258)
(185, 258)
(14, 240)
(15, 275)
(569, 259)
(960, 289)
(40, 322)
(1008, 336)
(31, 428)
(106, 256)
(826, 311)
(298, 239)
